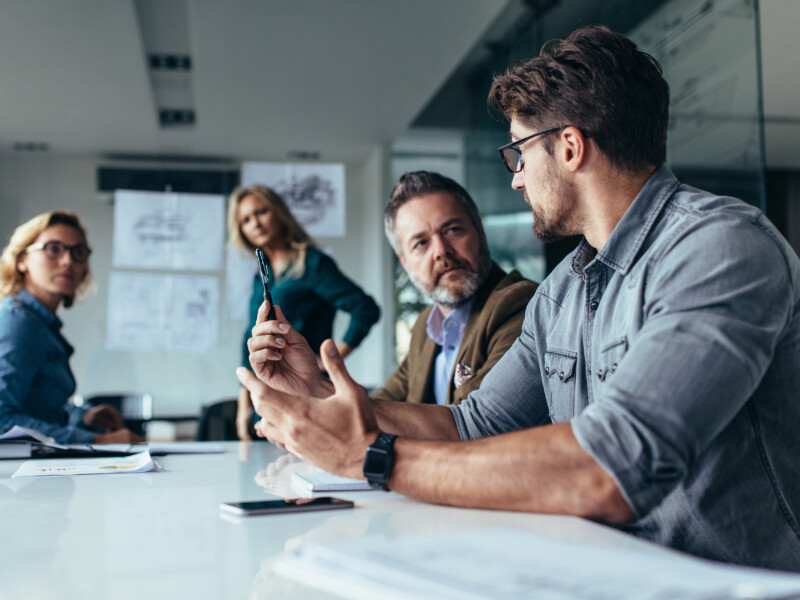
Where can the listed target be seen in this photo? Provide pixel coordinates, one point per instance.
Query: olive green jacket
(495, 321)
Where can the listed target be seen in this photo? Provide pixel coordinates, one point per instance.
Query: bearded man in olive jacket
(435, 229)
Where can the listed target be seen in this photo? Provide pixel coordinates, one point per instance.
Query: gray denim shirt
(674, 353)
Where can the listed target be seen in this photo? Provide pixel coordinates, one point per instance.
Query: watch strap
(379, 461)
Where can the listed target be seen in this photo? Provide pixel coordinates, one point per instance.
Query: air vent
(31, 147)
(303, 155)
(170, 62)
(185, 181)
(171, 116)
(165, 36)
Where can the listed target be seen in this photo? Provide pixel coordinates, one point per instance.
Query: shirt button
(593, 305)
(451, 347)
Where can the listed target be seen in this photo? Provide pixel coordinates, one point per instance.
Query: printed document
(136, 463)
(512, 564)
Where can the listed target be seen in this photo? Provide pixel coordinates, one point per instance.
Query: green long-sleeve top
(311, 301)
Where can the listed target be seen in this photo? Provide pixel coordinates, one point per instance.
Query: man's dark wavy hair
(598, 81)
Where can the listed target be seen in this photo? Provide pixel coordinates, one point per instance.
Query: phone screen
(274, 507)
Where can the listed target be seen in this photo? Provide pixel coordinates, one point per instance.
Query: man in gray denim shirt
(656, 382)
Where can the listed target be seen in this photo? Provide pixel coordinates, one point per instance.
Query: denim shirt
(35, 378)
(674, 353)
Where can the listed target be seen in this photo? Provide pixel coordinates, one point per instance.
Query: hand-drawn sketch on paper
(172, 313)
(160, 230)
(315, 193)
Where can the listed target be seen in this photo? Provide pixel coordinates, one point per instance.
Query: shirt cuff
(643, 472)
(81, 436)
(461, 424)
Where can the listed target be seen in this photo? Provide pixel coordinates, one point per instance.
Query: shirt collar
(39, 309)
(436, 320)
(622, 247)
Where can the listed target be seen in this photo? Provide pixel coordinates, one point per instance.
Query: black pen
(263, 268)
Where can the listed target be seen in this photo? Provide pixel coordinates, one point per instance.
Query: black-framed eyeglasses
(55, 250)
(512, 155)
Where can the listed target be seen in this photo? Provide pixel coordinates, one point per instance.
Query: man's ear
(574, 148)
(401, 259)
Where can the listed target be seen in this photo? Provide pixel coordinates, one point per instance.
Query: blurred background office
(156, 95)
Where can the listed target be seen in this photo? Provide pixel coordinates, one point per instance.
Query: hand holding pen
(281, 357)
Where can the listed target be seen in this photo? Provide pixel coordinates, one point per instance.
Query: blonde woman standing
(305, 282)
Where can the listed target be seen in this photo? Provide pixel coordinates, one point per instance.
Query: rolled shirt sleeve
(709, 331)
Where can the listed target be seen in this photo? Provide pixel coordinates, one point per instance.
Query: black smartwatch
(379, 461)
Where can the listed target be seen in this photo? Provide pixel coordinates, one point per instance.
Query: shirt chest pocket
(559, 377)
(609, 359)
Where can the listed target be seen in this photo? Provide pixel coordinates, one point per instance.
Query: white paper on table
(171, 313)
(314, 192)
(18, 432)
(513, 564)
(162, 230)
(136, 463)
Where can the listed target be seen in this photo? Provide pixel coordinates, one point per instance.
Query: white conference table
(160, 535)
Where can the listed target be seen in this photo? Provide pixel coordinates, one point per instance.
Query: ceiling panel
(269, 77)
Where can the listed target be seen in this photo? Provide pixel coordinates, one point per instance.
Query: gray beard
(473, 281)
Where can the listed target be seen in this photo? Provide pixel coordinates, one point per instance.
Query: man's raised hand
(332, 432)
(282, 358)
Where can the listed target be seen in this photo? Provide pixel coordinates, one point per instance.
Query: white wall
(181, 382)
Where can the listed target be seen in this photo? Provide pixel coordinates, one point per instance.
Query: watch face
(375, 463)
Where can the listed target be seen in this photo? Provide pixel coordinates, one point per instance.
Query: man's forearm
(543, 469)
(415, 421)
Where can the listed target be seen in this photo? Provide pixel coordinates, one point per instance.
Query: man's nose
(441, 249)
(518, 181)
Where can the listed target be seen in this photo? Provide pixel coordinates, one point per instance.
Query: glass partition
(710, 55)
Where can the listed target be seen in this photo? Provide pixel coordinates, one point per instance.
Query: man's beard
(557, 227)
(473, 280)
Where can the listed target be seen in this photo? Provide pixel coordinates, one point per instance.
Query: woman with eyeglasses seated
(45, 264)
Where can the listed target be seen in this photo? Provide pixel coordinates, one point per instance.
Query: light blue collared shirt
(447, 333)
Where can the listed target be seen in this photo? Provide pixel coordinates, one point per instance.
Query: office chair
(218, 421)
(136, 409)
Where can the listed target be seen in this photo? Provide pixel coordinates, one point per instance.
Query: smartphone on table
(276, 507)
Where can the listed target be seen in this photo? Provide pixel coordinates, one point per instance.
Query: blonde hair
(11, 279)
(297, 240)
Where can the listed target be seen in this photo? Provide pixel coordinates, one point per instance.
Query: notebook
(322, 481)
